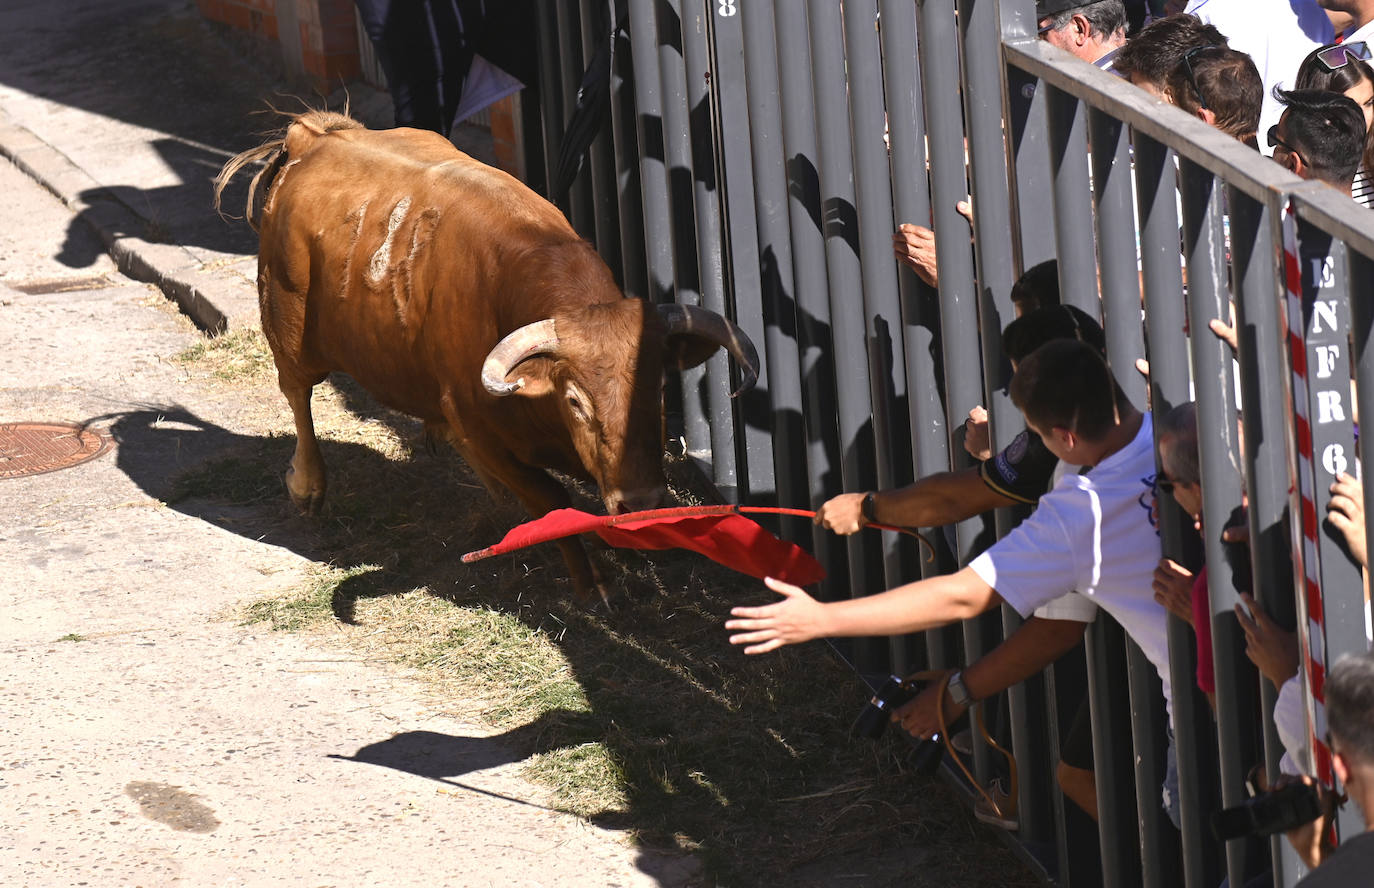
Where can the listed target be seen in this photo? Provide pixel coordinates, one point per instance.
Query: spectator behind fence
(1221, 86)
(1277, 34)
(1148, 57)
(1019, 474)
(1350, 720)
(1094, 32)
(1273, 649)
(1344, 68)
(1320, 136)
(1092, 533)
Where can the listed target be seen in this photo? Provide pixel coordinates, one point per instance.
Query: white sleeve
(1291, 724)
(1068, 607)
(1035, 563)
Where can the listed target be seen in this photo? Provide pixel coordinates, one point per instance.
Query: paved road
(171, 745)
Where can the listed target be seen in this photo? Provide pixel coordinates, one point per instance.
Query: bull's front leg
(305, 478)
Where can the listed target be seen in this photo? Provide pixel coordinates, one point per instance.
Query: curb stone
(215, 303)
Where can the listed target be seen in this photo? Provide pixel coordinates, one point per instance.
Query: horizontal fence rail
(756, 158)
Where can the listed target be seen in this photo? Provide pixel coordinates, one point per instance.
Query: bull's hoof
(307, 499)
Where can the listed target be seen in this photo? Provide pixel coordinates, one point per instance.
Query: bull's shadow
(690, 725)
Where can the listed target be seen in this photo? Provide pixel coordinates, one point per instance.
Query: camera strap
(1006, 808)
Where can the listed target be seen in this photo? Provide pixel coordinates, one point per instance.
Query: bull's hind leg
(305, 480)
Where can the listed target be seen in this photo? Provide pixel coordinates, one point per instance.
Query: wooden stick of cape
(720, 532)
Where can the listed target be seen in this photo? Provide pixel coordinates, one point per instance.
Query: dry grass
(642, 718)
(238, 356)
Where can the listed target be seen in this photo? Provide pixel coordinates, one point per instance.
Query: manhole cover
(32, 448)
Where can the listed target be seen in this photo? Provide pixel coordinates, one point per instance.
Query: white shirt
(1277, 34)
(1290, 720)
(1093, 533)
(1071, 606)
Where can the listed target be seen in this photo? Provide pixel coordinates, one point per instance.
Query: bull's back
(381, 252)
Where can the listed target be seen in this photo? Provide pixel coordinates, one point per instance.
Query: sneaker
(1006, 819)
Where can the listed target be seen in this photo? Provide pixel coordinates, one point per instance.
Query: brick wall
(326, 31)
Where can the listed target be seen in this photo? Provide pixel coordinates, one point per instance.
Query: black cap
(1054, 7)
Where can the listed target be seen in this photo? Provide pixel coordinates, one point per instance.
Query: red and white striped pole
(1313, 640)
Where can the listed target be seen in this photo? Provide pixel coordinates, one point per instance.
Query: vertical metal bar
(1265, 376)
(1073, 227)
(958, 291)
(755, 415)
(882, 311)
(600, 154)
(713, 390)
(1029, 143)
(809, 274)
(653, 173)
(550, 89)
(1219, 453)
(1361, 281)
(780, 337)
(677, 145)
(630, 210)
(854, 409)
(920, 303)
(1111, 195)
(1112, 769)
(1072, 202)
(580, 210)
(1170, 386)
(985, 109)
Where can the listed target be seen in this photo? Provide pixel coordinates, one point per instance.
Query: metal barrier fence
(756, 159)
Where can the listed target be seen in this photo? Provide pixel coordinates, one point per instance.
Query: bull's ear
(537, 372)
(687, 351)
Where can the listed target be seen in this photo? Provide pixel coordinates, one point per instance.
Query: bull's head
(604, 363)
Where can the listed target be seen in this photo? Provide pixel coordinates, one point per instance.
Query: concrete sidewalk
(126, 109)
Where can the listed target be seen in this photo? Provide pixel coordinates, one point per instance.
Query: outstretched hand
(796, 618)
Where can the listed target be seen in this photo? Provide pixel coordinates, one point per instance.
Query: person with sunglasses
(1147, 58)
(1345, 68)
(1093, 31)
(1220, 86)
(1321, 136)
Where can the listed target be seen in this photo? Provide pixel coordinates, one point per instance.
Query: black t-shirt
(1022, 471)
(1352, 864)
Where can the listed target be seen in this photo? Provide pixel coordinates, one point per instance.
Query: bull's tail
(272, 154)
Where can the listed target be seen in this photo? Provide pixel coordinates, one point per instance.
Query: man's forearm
(914, 607)
(938, 499)
(1032, 647)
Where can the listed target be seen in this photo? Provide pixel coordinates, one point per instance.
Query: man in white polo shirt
(1093, 532)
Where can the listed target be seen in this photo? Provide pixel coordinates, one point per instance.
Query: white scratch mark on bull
(376, 269)
(276, 184)
(403, 292)
(357, 217)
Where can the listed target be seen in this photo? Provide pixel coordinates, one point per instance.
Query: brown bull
(452, 292)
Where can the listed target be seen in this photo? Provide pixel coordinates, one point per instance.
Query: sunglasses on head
(1338, 55)
(1192, 78)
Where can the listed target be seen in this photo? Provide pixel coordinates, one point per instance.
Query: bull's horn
(689, 320)
(532, 339)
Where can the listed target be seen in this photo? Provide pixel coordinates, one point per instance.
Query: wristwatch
(868, 508)
(957, 692)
